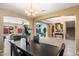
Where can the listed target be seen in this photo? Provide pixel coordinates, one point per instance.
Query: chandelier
(30, 11)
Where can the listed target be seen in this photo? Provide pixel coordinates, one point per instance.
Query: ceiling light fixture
(31, 11)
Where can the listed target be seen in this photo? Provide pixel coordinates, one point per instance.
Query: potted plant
(27, 32)
(27, 29)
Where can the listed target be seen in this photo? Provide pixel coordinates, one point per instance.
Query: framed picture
(6, 30)
(59, 27)
(20, 30)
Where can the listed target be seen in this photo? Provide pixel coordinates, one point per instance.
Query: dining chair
(61, 51)
(15, 51)
(36, 39)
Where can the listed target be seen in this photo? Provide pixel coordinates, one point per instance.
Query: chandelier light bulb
(31, 10)
(33, 15)
(26, 11)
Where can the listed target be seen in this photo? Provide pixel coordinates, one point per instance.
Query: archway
(12, 25)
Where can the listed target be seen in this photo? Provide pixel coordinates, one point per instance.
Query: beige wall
(77, 33)
(1, 34)
(49, 30)
(33, 27)
(73, 11)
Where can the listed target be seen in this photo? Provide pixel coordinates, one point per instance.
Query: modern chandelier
(30, 11)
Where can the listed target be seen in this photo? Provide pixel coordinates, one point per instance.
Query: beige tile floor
(70, 48)
(52, 41)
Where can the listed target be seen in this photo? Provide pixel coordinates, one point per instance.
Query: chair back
(17, 37)
(36, 39)
(14, 50)
(61, 51)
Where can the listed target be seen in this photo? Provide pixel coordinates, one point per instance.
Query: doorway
(70, 38)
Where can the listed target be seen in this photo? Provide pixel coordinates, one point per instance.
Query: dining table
(37, 49)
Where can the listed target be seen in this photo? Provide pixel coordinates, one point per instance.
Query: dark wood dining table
(38, 49)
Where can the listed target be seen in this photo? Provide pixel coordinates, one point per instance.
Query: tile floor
(70, 48)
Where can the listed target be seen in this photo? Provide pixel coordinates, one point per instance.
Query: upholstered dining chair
(61, 51)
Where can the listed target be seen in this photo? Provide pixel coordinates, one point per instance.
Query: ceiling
(41, 8)
(69, 20)
(16, 20)
(60, 19)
